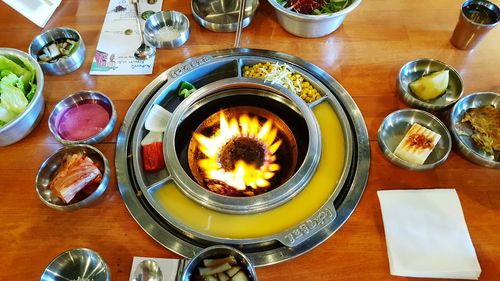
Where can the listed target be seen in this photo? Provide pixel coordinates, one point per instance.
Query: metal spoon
(144, 51)
(148, 270)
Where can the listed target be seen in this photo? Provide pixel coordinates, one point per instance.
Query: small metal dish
(222, 16)
(77, 264)
(64, 66)
(394, 128)
(76, 99)
(218, 251)
(167, 29)
(461, 132)
(49, 167)
(414, 70)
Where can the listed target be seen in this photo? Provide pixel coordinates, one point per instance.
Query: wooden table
(364, 55)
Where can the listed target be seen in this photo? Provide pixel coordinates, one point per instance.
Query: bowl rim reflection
(389, 154)
(412, 100)
(79, 98)
(87, 201)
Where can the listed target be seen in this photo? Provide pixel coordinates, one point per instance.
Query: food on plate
(283, 75)
(152, 152)
(417, 144)
(431, 86)
(157, 119)
(485, 122)
(77, 173)
(221, 269)
(315, 7)
(17, 86)
(58, 50)
(82, 121)
(186, 89)
(152, 144)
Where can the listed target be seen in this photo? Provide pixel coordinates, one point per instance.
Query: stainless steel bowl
(49, 167)
(233, 91)
(26, 121)
(167, 29)
(461, 132)
(218, 251)
(311, 26)
(394, 128)
(76, 99)
(414, 70)
(222, 16)
(61, 67)
(77, 264)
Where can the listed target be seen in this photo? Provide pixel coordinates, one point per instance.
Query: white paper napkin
(426, 234)
(37, 11)
(169, 267)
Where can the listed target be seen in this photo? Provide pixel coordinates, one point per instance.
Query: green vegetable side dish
(315, 7)
(186, 89)
(17, 86)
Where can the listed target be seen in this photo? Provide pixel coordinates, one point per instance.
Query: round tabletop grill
(307, 163)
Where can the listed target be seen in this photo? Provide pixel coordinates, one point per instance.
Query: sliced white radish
(216, 262)
(157, 119)
(214, 270)
(152, 137)
(222, 276)
(210, 278)
(233, 270)
(240, 276)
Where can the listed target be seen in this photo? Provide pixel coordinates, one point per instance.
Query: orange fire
(244, 174)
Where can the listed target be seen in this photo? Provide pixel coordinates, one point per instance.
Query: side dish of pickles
(221, 269)
(60, 49)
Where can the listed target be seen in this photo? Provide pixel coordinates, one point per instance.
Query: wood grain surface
(364, 55)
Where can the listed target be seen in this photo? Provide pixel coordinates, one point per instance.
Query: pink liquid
(82, 121)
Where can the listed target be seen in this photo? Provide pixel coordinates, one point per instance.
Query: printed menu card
(120, 38)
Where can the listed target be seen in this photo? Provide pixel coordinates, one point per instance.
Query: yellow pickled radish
(431, 86)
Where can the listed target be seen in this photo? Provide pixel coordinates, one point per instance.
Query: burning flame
(243, 174)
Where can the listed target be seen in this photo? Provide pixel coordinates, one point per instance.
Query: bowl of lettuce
(21, 100)
(312, 18)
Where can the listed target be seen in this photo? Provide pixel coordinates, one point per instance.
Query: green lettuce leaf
(7, 64)
(10, 79)
(29, 76)
(32, 92)
(5, 115)
(17, 86)
(13, 98)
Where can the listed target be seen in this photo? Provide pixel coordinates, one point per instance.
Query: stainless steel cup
(477, 17)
